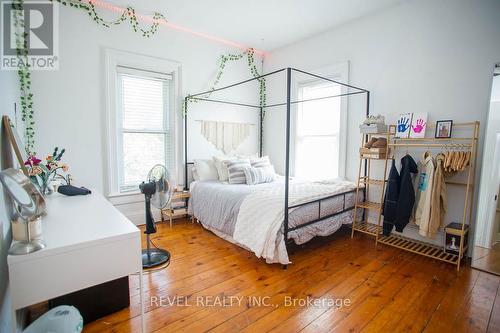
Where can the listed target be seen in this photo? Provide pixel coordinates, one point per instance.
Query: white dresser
(89, 242)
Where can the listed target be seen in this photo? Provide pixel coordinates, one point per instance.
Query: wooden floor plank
(389, 290)
(475, 315)
(494, 322)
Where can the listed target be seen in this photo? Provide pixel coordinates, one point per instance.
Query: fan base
(154, 257)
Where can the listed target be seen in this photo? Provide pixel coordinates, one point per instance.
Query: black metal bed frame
(288, 104)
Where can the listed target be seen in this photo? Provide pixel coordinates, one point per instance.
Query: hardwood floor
(356, 287)
(487, 259)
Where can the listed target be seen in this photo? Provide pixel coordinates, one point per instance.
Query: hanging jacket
(439, 200)
(406, 199)
(424, 190)
(391, 199)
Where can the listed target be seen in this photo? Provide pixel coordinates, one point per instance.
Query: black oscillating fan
(157, 192)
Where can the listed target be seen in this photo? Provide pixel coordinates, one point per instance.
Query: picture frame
(16, 143)
(403, 125)
(444, 129)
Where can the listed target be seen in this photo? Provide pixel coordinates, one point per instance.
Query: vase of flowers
(43, 173)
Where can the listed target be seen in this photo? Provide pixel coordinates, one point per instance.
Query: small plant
(42, 173)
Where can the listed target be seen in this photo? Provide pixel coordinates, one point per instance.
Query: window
(317, 132)
(144, 128)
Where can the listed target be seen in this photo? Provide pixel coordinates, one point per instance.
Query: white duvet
(261, 215)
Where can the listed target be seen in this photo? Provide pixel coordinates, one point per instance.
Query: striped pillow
(260, 162)
(256, 176)
(235, 169)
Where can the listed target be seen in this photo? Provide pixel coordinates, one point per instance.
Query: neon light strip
(149, 19)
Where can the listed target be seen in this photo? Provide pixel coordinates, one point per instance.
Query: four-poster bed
(310, 205)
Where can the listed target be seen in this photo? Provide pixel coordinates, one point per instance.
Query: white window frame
(338, 72)
(113, 60)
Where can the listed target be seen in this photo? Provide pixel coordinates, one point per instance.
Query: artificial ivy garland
(250, 53)
(23, 71)
(24, 74)
(128, 13)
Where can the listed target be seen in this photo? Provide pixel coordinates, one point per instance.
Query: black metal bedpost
(186, 185)
(261, 130)
(287, 147)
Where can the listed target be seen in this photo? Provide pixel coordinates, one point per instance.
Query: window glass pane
(317, 157)
(320, 117)
(141, 151)
(143, 102)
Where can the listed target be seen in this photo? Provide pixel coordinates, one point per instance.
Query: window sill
(123, 194)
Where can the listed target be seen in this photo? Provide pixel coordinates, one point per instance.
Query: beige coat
(439, 198)
(425, 183)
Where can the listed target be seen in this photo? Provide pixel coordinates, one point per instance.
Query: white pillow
(222, 167)
(236, 171)
(256, 176)
(260, 162)
(195, 174)
(206, 169)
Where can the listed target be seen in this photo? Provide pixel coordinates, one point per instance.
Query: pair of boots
(376, 143)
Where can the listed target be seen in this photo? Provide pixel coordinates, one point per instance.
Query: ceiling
(263, 24)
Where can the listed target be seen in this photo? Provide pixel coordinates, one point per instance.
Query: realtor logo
(33, 29)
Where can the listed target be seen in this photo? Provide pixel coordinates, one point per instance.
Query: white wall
(70, 102)
(8, 96)
(420, 56)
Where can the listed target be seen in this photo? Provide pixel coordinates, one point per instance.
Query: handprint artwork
(403, 125)
(418, 125)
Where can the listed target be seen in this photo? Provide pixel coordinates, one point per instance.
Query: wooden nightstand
(177, 206)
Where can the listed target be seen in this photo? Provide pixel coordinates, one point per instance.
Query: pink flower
(32, 160)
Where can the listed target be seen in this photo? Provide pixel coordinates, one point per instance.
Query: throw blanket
(260, 219)
(252, 215)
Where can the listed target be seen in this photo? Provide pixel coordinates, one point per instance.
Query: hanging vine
(24, 75)
(250, 54)
(23, 70)
(127, 14)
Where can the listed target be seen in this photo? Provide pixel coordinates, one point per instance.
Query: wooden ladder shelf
(366, 181)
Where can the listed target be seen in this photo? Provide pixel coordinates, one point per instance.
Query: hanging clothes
(439, 199)
(424, 193)
(405, 194)
(391, 199)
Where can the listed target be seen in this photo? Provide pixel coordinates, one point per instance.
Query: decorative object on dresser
(43, 174)
(29, 205)
(157, 192)
(177, 207)
(443, 129)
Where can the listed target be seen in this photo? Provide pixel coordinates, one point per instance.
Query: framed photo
(443, 129)
(418, 125)
(403, 125)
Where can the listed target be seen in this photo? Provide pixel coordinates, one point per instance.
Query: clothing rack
(405, 243)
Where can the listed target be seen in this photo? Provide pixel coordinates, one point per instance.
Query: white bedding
(263, 235)
(252, 215)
